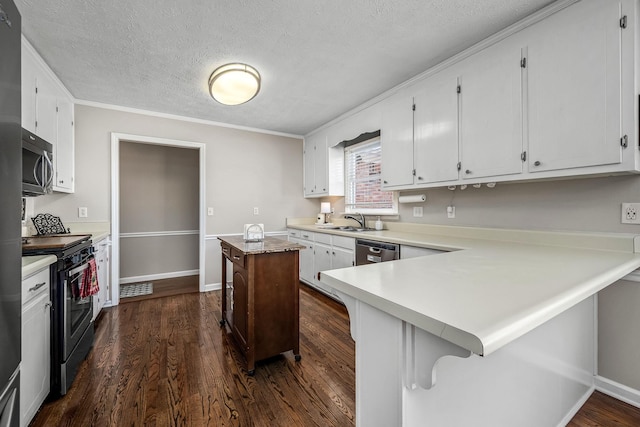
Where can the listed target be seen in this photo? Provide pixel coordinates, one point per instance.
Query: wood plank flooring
(166, 362)
(168, 287)
(603, 410)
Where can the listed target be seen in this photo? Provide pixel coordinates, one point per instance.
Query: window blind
(363, 180)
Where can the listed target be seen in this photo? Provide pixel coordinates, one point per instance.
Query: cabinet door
(321, 167)
(28, 91)
(491, 112)
(322, 262)
(35, 367)
(305, 259)
(315, 165)
(342, 258)
(436, 129)
(396, 139)
(46, 104)
(574, 89)
(63, 154)
(240, 304)
(309, 160)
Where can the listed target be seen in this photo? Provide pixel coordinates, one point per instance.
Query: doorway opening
(157, 220)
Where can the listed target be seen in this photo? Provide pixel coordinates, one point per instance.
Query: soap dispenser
(378, 224)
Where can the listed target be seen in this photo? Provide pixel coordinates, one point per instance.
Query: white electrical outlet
(210, 211)
(82, 212)
(417, 211)
(256, 211)
(451, 211)
(630, 213)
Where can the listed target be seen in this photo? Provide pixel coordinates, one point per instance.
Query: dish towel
(89, 285)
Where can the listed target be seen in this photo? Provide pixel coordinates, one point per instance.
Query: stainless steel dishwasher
(371, 252)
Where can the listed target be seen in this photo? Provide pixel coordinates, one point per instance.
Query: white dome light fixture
(234, 84)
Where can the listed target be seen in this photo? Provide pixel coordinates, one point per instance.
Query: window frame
(349, 207)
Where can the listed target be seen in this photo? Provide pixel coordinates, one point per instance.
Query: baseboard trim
(160, 276)
(619, 391)
(212, 287)
(574, 410)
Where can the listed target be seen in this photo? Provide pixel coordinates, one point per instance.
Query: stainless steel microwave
(37, 165)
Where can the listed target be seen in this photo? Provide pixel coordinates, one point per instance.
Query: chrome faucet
(359, 221)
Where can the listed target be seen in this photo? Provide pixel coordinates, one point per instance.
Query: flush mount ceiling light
(234, 84)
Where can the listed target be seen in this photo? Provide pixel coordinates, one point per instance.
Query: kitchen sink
(349, 228)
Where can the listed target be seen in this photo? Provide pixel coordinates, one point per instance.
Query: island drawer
(237, 257)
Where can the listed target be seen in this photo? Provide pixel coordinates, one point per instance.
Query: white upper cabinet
(574, 74)
(553, 96)
(28, 92)
(323, 167)
(63, 156)
(47, 111)
(396, 137)
(435, 127)
(491, 112)
(46, 104)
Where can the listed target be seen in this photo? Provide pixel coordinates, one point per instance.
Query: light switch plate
(417, 211)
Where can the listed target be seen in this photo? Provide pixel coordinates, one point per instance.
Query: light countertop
(492, 287)
(33, 264)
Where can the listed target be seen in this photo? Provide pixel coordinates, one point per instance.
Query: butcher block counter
(261, 304)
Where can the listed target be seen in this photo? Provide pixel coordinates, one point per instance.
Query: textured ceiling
(318, 59)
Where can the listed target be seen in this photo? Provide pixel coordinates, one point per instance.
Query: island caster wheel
(222, 323)
(297, 357)
(251, 373)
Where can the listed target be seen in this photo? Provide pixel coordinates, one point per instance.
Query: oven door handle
(78, 269)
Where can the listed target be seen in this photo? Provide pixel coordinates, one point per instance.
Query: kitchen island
(505, 320)
(261, 305)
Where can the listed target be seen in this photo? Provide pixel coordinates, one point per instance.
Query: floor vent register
(136, 290)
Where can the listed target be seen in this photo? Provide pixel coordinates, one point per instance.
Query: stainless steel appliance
(37, 165)
(10, 201)
(371, 252)
(71, 326)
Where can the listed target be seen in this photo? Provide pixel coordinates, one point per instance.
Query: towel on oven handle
(89, 283)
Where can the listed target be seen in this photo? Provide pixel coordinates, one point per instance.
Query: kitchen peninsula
(261, 304)
(516, 307)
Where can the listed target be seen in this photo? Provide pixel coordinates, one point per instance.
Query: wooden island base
(261, 304)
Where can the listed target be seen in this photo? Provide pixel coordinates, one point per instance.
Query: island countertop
(487, 292)
(268, 245)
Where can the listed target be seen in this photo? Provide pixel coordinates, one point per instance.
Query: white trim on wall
(618, 391)
(116, 138)
(159, 276)
(182, 118)
(159, 233)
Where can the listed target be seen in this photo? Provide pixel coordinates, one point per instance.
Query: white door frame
(116, 138)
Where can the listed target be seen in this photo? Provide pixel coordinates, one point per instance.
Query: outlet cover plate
(630, 213)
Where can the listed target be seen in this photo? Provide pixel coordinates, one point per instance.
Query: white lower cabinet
(102, 251)
(36, 343)
(324, 252)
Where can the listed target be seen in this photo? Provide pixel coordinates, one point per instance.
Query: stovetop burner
(52, 244)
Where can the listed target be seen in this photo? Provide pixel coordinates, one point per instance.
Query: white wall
(243, 170)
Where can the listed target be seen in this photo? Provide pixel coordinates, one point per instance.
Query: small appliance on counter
(324, 215)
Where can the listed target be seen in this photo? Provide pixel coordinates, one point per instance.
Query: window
(363, 181)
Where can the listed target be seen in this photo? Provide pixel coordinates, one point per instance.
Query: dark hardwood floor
(166, 362)
(605, 411)
(168, 287)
